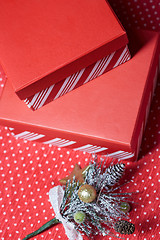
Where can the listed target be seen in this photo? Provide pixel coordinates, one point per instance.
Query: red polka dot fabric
(143, 14)
(29, 170)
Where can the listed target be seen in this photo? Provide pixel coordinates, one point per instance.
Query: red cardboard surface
(43, 42)
(109, 112)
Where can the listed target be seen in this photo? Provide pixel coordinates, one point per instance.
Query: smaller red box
(43, 42)
(107, 115)
(79, 78)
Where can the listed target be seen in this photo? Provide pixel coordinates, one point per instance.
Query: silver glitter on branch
(105, 211)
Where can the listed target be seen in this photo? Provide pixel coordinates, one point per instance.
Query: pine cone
(124, 227)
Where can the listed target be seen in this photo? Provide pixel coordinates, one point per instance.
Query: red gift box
(79, 78)
(107, 115)
(43, 43)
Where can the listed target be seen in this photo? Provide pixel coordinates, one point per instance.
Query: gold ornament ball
(87, 193)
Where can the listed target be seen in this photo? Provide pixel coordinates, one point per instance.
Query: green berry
(79, 217)
(125, 207)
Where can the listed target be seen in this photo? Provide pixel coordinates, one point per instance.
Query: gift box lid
(42, 42)
(107, 108)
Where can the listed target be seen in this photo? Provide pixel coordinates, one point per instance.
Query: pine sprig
(102, 213)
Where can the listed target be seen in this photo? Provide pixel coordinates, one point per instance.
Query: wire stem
(43, 228)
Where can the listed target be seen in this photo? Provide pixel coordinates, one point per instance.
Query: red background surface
(28, 170)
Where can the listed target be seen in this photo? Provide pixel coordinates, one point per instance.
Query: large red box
(107, 115)
(44, 42)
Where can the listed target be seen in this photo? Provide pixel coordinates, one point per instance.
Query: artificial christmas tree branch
(92, 205)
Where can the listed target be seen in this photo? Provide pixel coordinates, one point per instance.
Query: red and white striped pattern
(121, 155)
(79, 78)
(59, 142)
(29, 136)
(91, 149)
